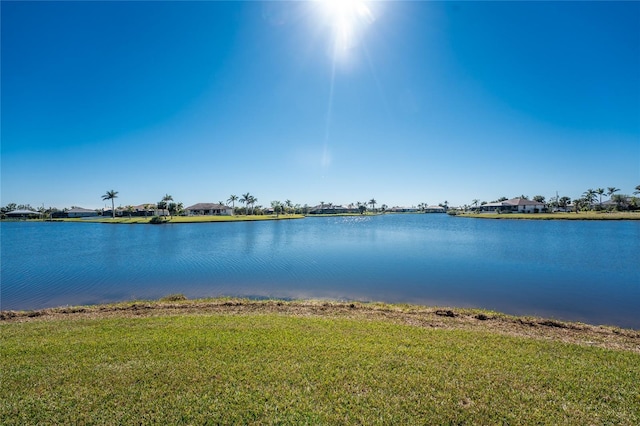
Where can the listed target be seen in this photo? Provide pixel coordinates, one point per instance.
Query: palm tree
(232, 199)
(253, 202)
(611, 190)
(129, 209)
(276, 205)
(600, 192)
(372, 203)
(289, 205)
(589, 196)
(475, 202)
(246, 199)
(174, 209)
(620, 200)
(146, 208)
(166, 200)
(564, 202)
(637, 191)
(111, 195)
(578, 204)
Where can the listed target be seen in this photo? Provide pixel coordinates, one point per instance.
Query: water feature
(574, 270)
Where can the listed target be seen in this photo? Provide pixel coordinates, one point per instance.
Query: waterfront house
(80, 212)
(22, 214)
(208, 209)
(333, 209)
(149, 209)
(435, 209)
(514, 205)
(398, 209)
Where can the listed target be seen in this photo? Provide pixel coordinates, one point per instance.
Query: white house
(208, 209)
(435, 209)
(80, 212)
(514, 205)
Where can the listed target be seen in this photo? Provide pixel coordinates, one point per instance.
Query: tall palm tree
(246, 200)
(372, 203)
(254, 200)
(289, 205)
(600, 192)
(232, 199)
(276, 205)
(111, 195)
(612, 190)
(166, 200)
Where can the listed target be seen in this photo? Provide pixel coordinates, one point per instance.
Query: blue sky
(404, 102)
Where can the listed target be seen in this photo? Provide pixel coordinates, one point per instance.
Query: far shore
(556, 216)
(179, 219)
(587, 215)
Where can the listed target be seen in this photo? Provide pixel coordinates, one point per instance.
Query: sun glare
(348, 19)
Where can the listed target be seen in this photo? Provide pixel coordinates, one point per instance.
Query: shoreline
(560, 216)
(416, 315)
(585, 216)
(174, 220)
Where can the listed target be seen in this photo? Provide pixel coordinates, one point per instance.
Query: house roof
(523, 202)
(80, 210)
(207, 206)
(140, 207)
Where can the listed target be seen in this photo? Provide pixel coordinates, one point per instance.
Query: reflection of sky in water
(574, 270)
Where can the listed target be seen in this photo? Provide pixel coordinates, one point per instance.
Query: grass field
(558, 216)
(273, 362)
(185, 219)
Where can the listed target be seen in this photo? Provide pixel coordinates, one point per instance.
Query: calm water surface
(572, 270)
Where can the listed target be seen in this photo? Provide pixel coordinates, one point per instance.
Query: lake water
(572, 270)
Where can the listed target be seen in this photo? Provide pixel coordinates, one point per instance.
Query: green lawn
(558, 216)
(186, 219)
(250, 365)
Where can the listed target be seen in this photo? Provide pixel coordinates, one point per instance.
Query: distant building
(332, 209)
(149, 209)
(397, 209)
(514, 205)
(435, 209)
(80, 212)
(208, 209)
(22, 214)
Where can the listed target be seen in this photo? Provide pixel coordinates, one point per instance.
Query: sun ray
(348, 19)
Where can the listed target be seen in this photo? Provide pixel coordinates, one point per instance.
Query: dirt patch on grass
(419, 316)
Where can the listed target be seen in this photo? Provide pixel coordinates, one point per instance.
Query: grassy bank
(184, 219)
(557, 216)
(265, 362)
